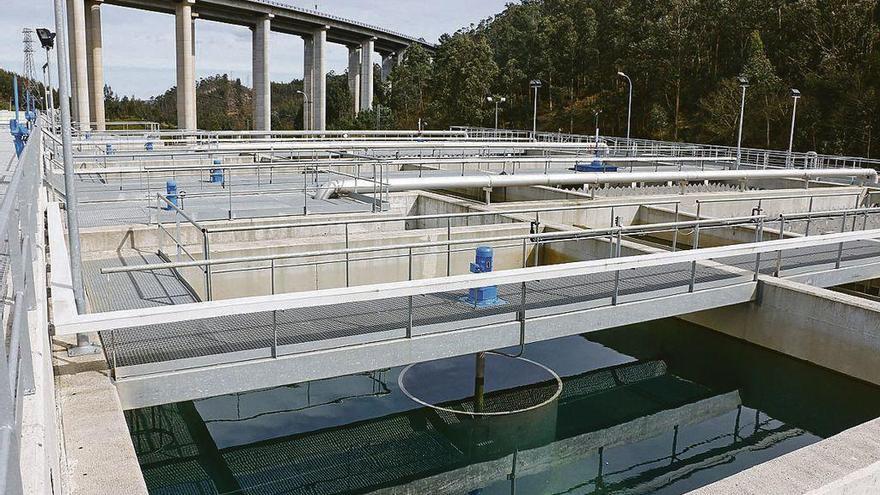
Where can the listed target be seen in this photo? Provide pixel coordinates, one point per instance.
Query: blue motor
(20, 131)
(595, 166)
(109, 149)
(148, 146)
(171, 193)
(217, 173)
(483, 296)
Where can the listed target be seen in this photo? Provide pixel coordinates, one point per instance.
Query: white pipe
(524, 180)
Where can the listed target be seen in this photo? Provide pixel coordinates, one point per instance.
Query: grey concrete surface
(98, 456)
(844, 463)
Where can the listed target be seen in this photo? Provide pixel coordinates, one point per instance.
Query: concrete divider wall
(251, 279)
(827, 328)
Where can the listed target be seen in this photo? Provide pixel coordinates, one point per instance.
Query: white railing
(18, 230)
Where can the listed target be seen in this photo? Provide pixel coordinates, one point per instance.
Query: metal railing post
(617, 272)
(209, 290)
(272, 275)
(759, 236)
(409, 324)
(347, 259)
(675, 232)
(448, 246)
(840, 246)
(229, 186)
(778, 270)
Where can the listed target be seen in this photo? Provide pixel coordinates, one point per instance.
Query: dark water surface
(661, 407)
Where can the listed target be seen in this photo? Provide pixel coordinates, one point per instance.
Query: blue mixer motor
(594, 166)
(171, 194)
(217, 173)
(482, 297)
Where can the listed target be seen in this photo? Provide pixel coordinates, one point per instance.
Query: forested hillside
(683, 57)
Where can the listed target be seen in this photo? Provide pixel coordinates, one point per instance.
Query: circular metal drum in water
(513, 407)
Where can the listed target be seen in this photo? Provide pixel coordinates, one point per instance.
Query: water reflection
(663, 407)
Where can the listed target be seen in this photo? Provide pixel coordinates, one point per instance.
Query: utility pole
(83, 346)
(535, 84)
(795, 94)
(743, 83)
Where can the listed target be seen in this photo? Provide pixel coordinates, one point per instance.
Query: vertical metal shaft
(480, 383)
(82, 340)
(742, 115)
(788, 162)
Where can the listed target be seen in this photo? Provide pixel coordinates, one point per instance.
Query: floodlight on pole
(535, 84)
(795, 95)
(629, 106)
(305, 104)
(497, 100)
(744, 84)
(47, 40)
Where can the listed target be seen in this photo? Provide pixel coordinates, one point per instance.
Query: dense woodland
(683, 57)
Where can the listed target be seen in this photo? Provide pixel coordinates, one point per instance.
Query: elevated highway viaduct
(317, 29)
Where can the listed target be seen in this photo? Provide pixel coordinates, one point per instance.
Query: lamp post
(535, 84)
(47, 39)
(795, 95)
(629, 106)
(497, 100)
(597, 112)
(743, 83)
(305, 103)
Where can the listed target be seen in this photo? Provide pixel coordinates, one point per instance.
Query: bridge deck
(155, 348)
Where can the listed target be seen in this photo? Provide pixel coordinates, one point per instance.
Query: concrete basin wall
(325, 272)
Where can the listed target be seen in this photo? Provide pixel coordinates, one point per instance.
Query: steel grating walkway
(386, 318)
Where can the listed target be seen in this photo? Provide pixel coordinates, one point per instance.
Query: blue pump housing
(594, 166)
(148, 146)
(20, 131)
(171, 194)
(217, 173)
(482, 297)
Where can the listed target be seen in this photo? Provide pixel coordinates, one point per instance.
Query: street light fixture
(597, 112)
(305, 103)
(743, 83)
(47, 39)
(535, 84)
(629, 106)
(795, 95)
(497, 100)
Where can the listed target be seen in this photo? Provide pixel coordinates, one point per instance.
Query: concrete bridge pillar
(95, 60)
(186, 77)
(308, 79)
(367, 73)
(387, 65)
(68, 12)
(262, 82)
(319, 80)
(354, 76)
(79, 62)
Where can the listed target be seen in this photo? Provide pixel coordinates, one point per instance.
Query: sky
(139, 46)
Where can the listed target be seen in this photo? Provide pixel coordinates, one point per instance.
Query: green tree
(463, 73)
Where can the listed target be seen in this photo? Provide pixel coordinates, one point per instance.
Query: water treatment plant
(462, 311)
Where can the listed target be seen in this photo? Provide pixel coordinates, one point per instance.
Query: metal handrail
(18, 226)
(569, 234)
(281, 302)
